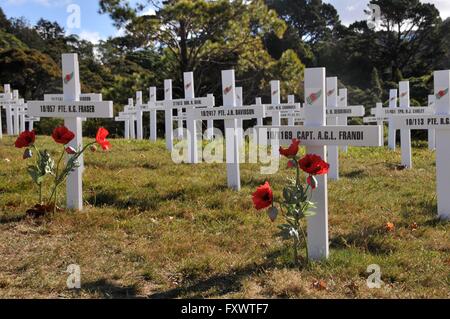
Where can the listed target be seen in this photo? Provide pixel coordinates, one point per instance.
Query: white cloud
(45, 3)
(442, 5)
(148, 12)
(90, 36)
(350, 11)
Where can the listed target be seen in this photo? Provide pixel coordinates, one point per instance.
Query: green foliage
(376, 84)
(30, 71)
(9, 41)
(261, 40)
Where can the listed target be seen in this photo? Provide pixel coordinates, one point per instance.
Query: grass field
(153, 229)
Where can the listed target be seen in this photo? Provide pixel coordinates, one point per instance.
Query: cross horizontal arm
(402, 111)
(72, 109)
(227, 113)
(356, 135)
(422, 122)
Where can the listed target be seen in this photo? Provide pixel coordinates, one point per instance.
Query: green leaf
(309, 213)
(35, 174)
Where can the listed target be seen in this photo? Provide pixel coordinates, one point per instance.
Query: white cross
(5, 100)
(316, 136)
(333, 113)
(129, 117)
(230, 113)
(72, 110)
(343, 118)
(431, 133)
(440, 122)
(26, 119)
(386, 114)
(332, 103)
(392, 134)
(194, 126)
(139, 112)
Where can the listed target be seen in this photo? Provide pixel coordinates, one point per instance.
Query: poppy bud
(27, 154)
(70, 150)
(312, 181)
(273, 213)
(93, 148)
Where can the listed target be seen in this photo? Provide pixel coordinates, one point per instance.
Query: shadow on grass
(110, 290)
(12, 219)
(143, 204)
(222, 284)
(370, 240)
(355, 174)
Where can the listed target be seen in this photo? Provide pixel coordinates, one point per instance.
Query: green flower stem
(59, 179)
(55, 187)
(306, 242)
(40, 184)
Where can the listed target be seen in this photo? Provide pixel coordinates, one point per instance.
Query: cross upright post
(333, 151)
(405, 134)
(392, 135)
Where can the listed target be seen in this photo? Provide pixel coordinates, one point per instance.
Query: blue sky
(94, 26)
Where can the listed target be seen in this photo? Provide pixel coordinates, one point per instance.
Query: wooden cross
(317, 136)
(72, 110)
(384, 114)
(5, 100)
(440, 122)
(194, 127)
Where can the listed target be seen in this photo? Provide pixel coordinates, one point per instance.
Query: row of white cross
(315, 133)
(338, 113)
(16, 112)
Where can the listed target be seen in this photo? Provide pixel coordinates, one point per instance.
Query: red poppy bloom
(102, 133)
(263, 197)
(292, 150)
(62, 135)
(314, 165)
(25, 139)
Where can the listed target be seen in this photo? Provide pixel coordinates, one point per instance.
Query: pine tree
(377, 88)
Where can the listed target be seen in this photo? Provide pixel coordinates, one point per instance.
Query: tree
(377, 88)
(29, 71)
(312, 20)
(199, 34)
(408, 31)
(4, 22)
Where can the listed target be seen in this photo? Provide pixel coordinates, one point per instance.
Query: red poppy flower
(292, 150)
(263, 197)
(25, 139)
(102, 133)
(62, 135)
(314, 165)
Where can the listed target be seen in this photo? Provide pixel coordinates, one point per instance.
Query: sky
(94, 26)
